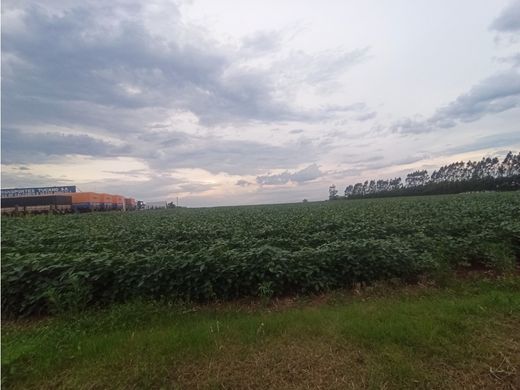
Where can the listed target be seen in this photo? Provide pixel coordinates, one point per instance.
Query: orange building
(118, 202)
(106, 200)
(61, 199)
(130, 204)
(86, 201)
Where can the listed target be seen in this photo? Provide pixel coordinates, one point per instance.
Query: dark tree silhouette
(488, 174)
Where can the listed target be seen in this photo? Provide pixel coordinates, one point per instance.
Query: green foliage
(400, 338)
(265, 290)
(61, 263)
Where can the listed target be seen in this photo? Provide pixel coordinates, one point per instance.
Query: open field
(349, 294)
(465, 335)
(53, 264)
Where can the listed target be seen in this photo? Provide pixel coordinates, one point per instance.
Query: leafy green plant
(265, 291)
(62, 263)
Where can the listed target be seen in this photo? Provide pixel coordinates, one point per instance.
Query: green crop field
(261, 296)
(53, 264)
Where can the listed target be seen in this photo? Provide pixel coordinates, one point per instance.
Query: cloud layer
(493, 95)
(306, 174)
(509, 18)
(151, 99)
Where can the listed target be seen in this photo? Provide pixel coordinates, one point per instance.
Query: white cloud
(155, 98)
(492, 95)
(306, 174)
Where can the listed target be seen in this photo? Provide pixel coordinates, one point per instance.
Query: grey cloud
(160, 151)
(493, 95)
(296, 131)
(25, 147)
(366, 116)
(498, 140)
(28, 179)
(410, 126)
(509, 18)
(262, 41)
(246, 95)
(319, 71)
(307, 174)
(243, 183)
(359, 106)
(129, 173)
(378, 162)
(488, 141)
(75, 57)
(108, 120)
(326, 65)
(513, 60)
(99, 55)
(100, 70)
(217, 155)
(366, 159)
(342, 173)
(413, 158)
(281, 178)
(195, 187)
(359, 112)
(362, 145)
(156, 187)
(360, 165)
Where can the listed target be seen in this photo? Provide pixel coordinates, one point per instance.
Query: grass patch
(467, 335)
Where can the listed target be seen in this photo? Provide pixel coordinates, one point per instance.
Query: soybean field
(53, 264)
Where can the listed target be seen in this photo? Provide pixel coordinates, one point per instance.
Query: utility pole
(177, 201)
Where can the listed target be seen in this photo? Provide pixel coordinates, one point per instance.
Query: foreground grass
(463, 336)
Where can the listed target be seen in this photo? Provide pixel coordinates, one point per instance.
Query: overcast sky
(227, 102)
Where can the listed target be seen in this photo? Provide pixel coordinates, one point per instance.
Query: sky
(226, 102)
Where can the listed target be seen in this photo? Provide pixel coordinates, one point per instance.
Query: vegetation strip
(53, 264)
(488, 174)
(462, 336)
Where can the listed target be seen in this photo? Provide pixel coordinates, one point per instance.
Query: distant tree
(372, 189)
(358, 189)
(349, 190)
(511, 165)
(487, 174)
(382, 185)
(333, 192)
(417, 178)
(494, 167)
(365, 187)
(395, 184)
(469, 170)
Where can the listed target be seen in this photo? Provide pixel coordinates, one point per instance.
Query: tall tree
(372, 187)
(446, 179)
(333, 192)
(396, 184)
(417, 178)
(365, 187)
(358, 189)
(382, 185)
(349, 190)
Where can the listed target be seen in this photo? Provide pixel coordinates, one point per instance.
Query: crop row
(58, 263)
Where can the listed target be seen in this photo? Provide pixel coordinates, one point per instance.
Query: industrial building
(64, 199)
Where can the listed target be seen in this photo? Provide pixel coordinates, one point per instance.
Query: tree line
(488, 174)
